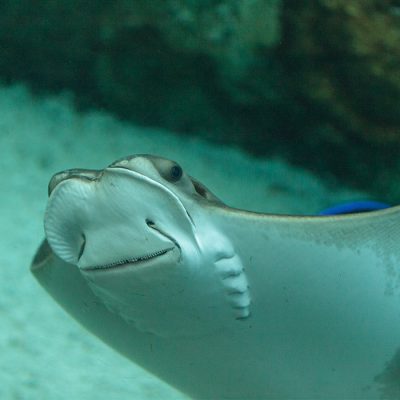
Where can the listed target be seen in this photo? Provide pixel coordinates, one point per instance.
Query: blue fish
(354, 207)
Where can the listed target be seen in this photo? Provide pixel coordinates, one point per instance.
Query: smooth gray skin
(261, 306)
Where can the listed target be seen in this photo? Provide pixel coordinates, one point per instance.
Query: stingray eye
(175, 173)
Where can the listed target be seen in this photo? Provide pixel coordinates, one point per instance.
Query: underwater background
(276, 106)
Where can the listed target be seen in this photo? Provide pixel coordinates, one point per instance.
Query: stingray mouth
(138, 260)
(129, 261)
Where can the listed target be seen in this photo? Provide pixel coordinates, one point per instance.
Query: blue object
(354, 207)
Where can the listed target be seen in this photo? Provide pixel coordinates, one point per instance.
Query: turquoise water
(44, 353)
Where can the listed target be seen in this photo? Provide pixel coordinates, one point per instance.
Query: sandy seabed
(45, 354)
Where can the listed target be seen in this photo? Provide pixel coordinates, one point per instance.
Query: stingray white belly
(224, 303)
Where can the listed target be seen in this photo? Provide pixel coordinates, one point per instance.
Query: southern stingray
(225, 303)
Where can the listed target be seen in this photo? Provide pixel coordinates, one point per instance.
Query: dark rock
(316, 82)
(344, 58)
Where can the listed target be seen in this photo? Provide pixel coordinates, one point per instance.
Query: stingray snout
(76, 173)
(67, 212)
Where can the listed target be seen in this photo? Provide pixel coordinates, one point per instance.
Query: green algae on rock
(344, 57)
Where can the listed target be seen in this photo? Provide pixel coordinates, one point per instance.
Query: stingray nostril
(150, 222)
(82, 248)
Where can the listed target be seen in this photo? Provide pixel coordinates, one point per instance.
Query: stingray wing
(325, 300)
(66, 285)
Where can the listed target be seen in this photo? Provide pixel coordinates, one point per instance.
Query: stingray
(223, 303)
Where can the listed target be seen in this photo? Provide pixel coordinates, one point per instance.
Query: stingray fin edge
(43, 254)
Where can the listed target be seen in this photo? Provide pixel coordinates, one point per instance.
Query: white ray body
(242, 305)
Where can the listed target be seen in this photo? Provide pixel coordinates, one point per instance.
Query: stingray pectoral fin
(70, 290)
(67, 286)
(325, 298)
